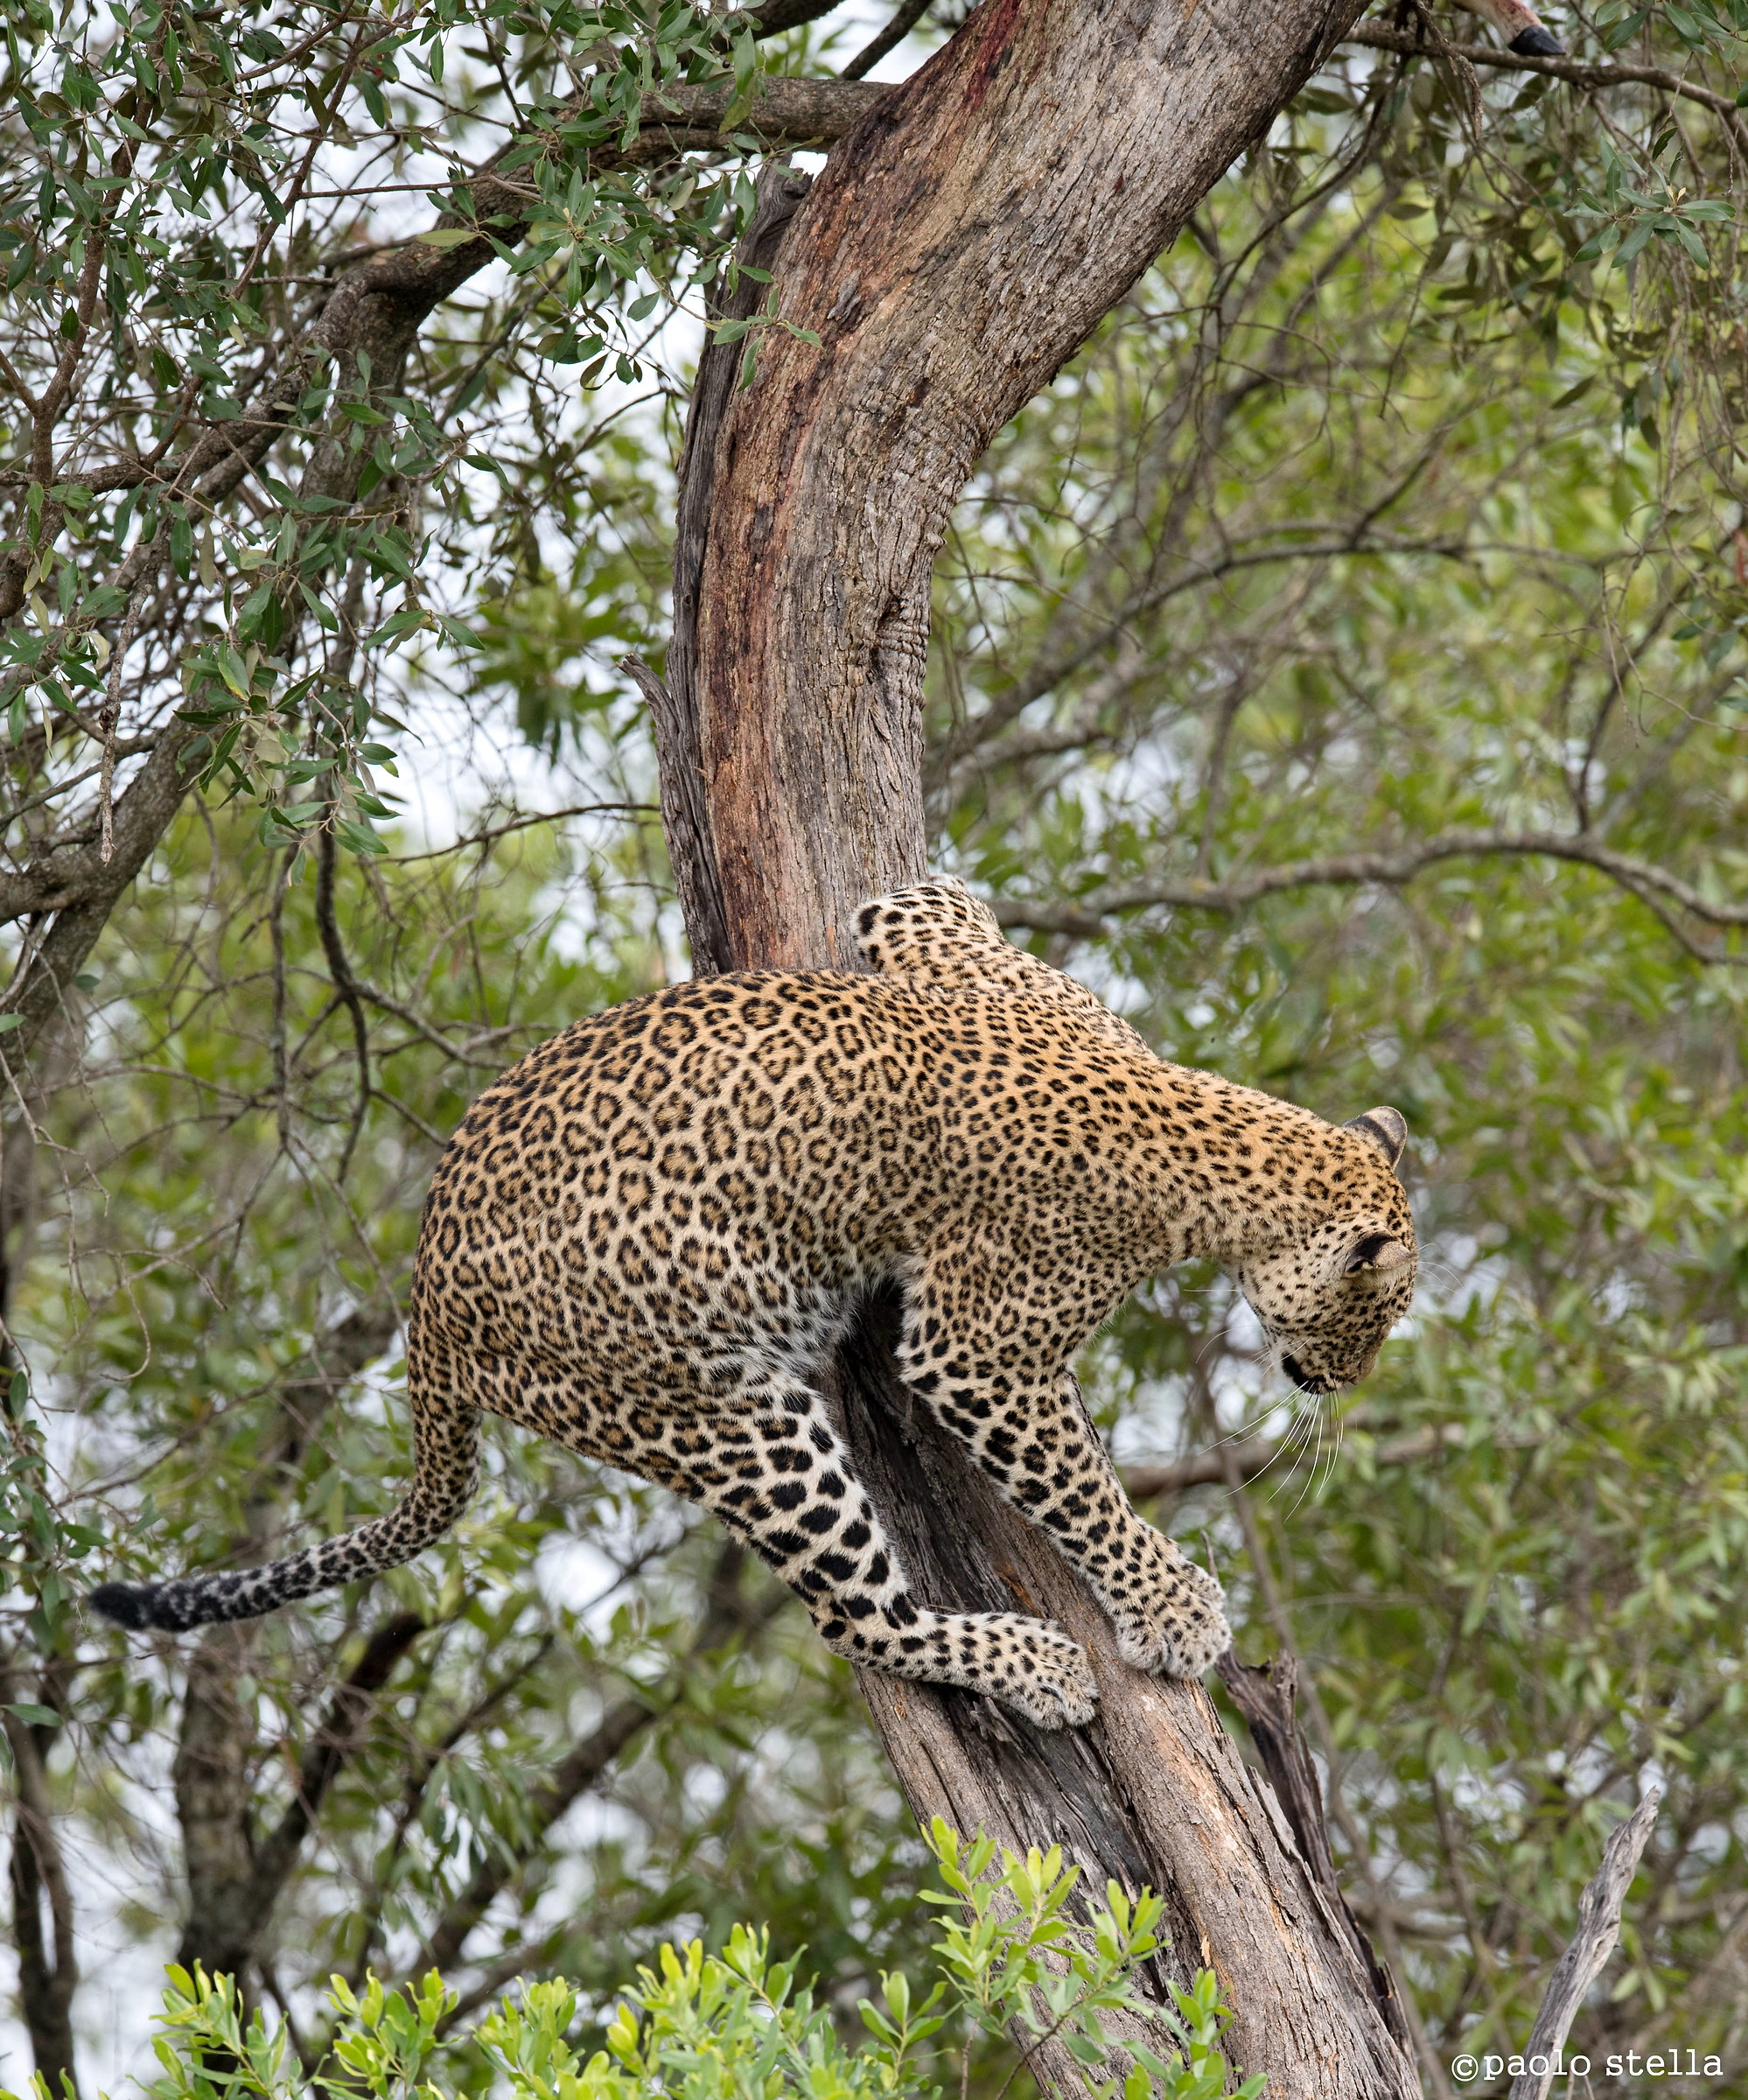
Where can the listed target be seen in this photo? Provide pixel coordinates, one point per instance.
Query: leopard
(645, 1240)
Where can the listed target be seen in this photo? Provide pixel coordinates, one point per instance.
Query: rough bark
(960, 245)
(1266, 1698)
(685, 812)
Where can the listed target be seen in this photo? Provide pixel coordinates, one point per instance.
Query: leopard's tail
(446, 1471)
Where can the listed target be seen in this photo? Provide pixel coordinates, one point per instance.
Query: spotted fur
(645, 1237)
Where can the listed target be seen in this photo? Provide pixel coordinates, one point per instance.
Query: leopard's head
(1327, 1300)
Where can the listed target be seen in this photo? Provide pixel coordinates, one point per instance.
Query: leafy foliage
(178, 203)
(721, 2026)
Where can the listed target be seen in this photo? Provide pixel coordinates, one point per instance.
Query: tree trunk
(961, 244)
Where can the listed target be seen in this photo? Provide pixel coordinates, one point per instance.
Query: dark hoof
(1537, 43)
(127, 1603)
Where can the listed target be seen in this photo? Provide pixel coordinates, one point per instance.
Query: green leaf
(358, 837)
(397, 624)
(1635, 240)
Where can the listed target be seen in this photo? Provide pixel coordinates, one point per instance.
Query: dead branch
(1586, 1959)
(1266, 1698)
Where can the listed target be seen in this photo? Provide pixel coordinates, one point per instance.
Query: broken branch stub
(1586, 1959)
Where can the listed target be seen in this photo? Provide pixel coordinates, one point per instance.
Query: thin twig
(1256, 1455)
(411, 1116)
(910, 13)
(522, 824)
(339, 970)
(426, 1033)
(282, 1082)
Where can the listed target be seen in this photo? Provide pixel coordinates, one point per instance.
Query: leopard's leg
(981, 1357)
(781, 1479)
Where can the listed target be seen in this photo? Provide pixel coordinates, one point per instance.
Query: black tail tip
(1537, 43)
(129, 1604)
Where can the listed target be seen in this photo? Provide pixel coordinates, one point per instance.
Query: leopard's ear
(1384, 1128)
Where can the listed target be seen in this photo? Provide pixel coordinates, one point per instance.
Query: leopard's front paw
(1045, 1676)
(1185, 1634)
